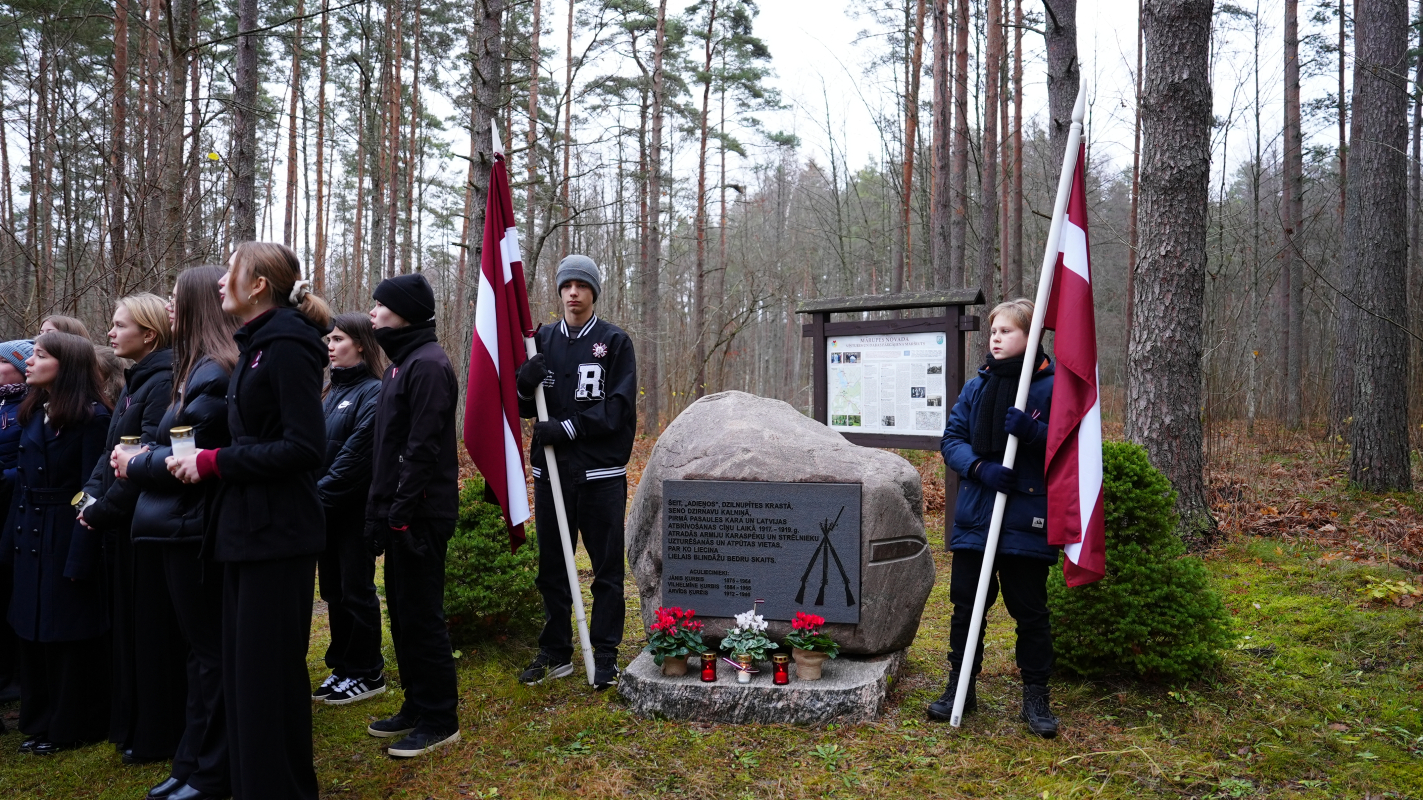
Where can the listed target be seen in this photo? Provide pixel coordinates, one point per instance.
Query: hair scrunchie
(299, 290)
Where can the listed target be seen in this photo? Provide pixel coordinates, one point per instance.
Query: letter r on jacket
(590, 382)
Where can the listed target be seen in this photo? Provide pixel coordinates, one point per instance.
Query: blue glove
(995, 476)
(1019, 424)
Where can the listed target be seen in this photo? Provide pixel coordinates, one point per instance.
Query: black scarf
(399, 342)
(989, 438)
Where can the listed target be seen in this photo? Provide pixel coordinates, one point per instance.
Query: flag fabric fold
(492, 432)
(1074, 444)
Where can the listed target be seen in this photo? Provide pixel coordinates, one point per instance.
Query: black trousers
(1024, 584)
(9, 643)
(159, 659)
(195, 585)
(123, 691)
(415, 598)
(64, 689)
(595, 510)
(266, 627)
(346, 571)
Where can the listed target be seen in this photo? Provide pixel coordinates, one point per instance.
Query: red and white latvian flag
(501, 317)
(1074, 439)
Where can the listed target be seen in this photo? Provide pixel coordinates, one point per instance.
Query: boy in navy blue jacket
(589, 375)
(973, 446)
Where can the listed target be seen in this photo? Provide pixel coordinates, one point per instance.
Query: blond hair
(281, 267)
(1019, 312)
(150, 312)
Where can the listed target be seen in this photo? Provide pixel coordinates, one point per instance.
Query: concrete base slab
(851, 689)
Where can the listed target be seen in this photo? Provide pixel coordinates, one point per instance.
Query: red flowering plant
(808, 633)
(674, 635)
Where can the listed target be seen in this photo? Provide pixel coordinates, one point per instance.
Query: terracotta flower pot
(807, 663)
(673, 667)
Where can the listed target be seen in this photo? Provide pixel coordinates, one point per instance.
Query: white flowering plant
(749, 637)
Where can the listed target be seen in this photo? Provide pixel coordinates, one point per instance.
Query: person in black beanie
(412, 508)
(589, 373)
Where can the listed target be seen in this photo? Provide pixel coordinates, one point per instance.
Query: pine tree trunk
(1133, 223)
(530, 266)
(174, 176)
(289, 213)
(958, 176)
(1166, 347)
(1293, 218)
(244, 126)
(941, 209)
(407, 247)
(392, 120)
(699, 308)
(1376, 246)
(651, 272)
(911, 134)
(118, 161)
(1064, 72)
(1015, 203)
(988, 190)
(320, 257)
(565, 237)
(486, 79)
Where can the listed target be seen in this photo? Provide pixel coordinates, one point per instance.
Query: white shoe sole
(358, 698)
(380, 734)
(451, 739)
(557, 672)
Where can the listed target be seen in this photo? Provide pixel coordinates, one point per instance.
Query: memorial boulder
(745, 498)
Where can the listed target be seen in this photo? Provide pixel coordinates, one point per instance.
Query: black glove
(530, 375)
(377, 536)
(1019, 424)
(550, 432)
(995, 476)
(402, 533)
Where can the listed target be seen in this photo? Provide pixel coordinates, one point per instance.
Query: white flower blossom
(751, 621)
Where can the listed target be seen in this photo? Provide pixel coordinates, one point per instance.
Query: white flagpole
(551, 465)
(1035, 335)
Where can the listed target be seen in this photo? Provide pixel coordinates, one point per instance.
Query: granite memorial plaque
(795, 545)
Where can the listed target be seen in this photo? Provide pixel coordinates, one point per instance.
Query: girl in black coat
(267, 523)
(347, 569)
(58, 606)
(146, 711)
(171, 517)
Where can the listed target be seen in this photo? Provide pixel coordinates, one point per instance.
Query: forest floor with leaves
(1320, 697)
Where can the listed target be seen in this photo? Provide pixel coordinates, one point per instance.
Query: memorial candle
(709, 667)
(782, 663)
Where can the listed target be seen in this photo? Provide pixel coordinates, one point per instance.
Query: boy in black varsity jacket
(589, 375)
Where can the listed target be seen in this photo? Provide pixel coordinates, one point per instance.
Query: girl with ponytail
(267, 525)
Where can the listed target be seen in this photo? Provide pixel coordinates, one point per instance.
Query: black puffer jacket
(350, 408)
(139, 412)
(267, 507)
(169, 510)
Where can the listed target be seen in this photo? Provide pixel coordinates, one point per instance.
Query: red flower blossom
(807, 622)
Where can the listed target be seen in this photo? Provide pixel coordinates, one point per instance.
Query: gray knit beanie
(16, 352)
(579, 268)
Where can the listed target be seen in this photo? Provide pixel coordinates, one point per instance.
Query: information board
(887, 383)
(795, 545)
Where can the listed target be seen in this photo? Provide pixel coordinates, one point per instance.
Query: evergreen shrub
(1154, 615)
(487, 588)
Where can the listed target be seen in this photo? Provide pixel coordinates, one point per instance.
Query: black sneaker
(605, 672)
(398, 725)
(942, 710)
(419, 743)
(354, 690)
(1036, 713)
(327, 686)
(545, 668)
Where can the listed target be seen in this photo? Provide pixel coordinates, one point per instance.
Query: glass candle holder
(781, 674)
(743, 675)
(709, 667)
(130, 446)
(183, 442)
